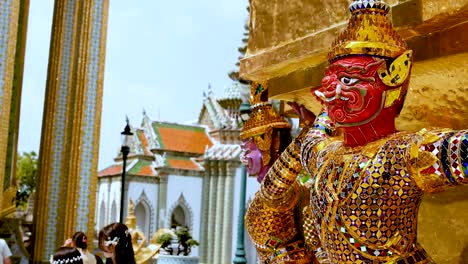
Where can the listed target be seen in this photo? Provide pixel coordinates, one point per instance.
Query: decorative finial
(210, 90)
(263, 118)
(131, 207)
(131, 218)
(363, 6)
(258, 94)
(127, 130)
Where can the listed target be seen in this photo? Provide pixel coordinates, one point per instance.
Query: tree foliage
(184, 239)
(165, 240)
(26, 174)
(186, 242)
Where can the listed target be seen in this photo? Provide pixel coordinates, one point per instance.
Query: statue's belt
(288, 249)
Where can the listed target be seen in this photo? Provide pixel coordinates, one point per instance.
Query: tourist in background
(68, 255)
(80, 241)
(5, 252)
(116, 243)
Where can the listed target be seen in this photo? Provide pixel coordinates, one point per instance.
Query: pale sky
(160, 57)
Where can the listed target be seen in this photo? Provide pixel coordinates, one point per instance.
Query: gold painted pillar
(13, 24)
(68, 156)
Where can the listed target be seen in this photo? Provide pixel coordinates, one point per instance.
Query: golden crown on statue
(263, 117)
(369, 32)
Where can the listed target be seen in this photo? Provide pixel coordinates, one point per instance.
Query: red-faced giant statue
(366, 182)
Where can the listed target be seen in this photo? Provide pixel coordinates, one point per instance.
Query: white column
(228, 213)
(205, 207)
(219, 215)
(212, 214)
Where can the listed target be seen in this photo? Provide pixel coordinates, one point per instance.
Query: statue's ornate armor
(365, 199)
(367, 179)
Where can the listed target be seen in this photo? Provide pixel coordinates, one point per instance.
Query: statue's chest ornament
(337, 177)
(351, 189)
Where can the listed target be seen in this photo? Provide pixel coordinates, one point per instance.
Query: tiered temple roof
(135, 167)
(167, 147)
(162, 146)
(174, 137)
(223, 111)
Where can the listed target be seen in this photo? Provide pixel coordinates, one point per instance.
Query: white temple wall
(102, 203)
(114, 200)
(144, 193)
(190, 189)
(109, 196)
(145, 190)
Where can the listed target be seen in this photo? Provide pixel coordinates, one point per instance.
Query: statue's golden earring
(395, 75)
(263, 143)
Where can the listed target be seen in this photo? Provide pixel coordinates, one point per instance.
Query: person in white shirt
(5, 252)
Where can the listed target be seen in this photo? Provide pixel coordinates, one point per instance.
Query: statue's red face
(352, 90)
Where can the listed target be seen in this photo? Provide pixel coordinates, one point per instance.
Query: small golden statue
(142, 253)
(138, 238)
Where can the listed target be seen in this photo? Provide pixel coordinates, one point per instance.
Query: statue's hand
(306, 117)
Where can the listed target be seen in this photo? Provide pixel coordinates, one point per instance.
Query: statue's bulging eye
(348, 81)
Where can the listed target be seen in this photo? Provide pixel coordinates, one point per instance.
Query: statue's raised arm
(439, 159)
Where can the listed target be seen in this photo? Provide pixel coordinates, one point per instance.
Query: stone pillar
(68, 156)
(227, 238)
(212, 213)
(240, 249)
(162, 201)
(219, 212)
(13, 23)
(205, 207)
(109, 200)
